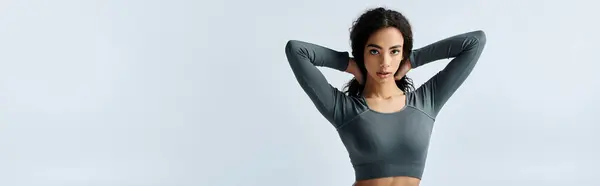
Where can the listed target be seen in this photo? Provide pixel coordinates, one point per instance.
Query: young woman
(383, 121)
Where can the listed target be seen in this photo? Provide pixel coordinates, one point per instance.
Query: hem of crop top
(383, 170)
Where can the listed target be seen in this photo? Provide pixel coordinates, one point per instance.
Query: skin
(383, 53)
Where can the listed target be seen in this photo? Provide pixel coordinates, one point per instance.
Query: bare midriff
(390, 181)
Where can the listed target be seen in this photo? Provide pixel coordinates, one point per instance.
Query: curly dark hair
(369, 22)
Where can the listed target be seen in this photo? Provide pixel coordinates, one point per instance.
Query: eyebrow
(379, 47)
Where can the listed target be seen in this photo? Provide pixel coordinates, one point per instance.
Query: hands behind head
(403, 69)
(354, 70)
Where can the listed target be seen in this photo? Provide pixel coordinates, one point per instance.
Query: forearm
(447, 48)
(300, 52)
(352, 67)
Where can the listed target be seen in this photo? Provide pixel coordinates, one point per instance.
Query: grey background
(200, 93)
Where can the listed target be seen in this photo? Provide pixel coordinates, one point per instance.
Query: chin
(387, 80)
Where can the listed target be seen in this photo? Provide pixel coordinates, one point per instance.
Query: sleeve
(466, 49)
(304, 58)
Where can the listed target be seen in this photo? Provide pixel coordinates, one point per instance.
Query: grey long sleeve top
(386, 144)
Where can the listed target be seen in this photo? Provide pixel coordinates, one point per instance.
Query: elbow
(290, 46)
(480, 37)
(291, 52)
(295, 49)
(475, 40)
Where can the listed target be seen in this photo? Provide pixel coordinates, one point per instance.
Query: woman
(384, 123)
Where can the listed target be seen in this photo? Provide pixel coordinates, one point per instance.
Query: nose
(386, 62)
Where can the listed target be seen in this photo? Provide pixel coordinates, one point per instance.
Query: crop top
(386, 144)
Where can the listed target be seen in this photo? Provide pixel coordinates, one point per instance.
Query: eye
(374, 52)
(395, 52)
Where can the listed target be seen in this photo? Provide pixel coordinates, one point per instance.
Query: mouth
(383, 74)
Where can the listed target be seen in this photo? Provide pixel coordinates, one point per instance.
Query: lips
(384, 74)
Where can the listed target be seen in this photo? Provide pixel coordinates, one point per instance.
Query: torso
(392, 105)
(387, 139)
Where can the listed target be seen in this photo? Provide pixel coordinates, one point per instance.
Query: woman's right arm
(304, 58)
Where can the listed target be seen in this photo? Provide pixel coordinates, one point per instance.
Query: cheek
(371, 64)
(396, 63)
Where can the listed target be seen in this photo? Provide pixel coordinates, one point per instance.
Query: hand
(403, 69)
(354, 70)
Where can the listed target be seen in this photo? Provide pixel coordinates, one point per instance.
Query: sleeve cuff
(413, 61)
(344, 58)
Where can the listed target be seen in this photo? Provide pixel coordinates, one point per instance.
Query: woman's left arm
(465, 48)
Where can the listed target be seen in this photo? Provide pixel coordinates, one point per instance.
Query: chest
(404, 131)
(386, 105)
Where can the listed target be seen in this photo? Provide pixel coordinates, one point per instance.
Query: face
(383, 54)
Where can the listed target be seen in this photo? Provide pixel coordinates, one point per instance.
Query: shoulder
(420, 100)
(347, 107)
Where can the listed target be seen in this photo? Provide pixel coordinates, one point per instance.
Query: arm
(304, 58)
(466, 49)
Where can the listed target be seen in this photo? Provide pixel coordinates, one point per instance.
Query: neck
(387, 89)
